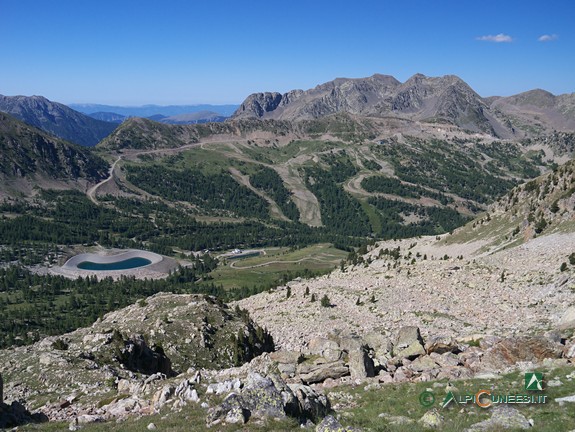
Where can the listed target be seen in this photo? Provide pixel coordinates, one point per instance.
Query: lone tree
(325, 302)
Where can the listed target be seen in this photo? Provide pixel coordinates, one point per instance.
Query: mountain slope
(542, 206)
(141, 133)
(30, 157)
(538, 110)
(446, 99)
(56, 119)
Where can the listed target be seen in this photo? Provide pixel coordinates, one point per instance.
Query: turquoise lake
(119, 265)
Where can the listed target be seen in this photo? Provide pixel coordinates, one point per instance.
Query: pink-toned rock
(510, 351)
(402, 374)
(385, 377)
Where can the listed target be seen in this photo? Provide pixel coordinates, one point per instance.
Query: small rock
(562, 400)
(423, 363)
(329, 424)
(431, 419)
(441, 345)
(236, 415)
(151, 426)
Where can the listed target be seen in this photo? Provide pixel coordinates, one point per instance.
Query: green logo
(533, 381)
(426, 399)
(449, 397)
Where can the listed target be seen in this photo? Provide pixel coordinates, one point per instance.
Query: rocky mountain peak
(448, 99)
(445, 99)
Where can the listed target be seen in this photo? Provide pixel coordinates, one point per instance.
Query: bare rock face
(137, 356)
(447, 99)
(258, 104)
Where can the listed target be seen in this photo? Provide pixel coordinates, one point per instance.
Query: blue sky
(133, 52)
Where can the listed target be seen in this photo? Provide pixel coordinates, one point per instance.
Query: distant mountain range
(147, 111)
(29, 157)
(57, 119)
(432, 99)
(442, 100)
(188, 118)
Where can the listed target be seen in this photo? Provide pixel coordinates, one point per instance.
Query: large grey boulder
(269, 397)
(423, 363)
(503, 417)
(359, 362)
(231, 410)
(286, 357)
(408, 343)
(381, 345)
(287, 361)
(313, 405)
(327, 348)
(331, 424)
(311, 373)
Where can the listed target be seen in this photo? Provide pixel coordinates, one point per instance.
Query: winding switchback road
(92, 191)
